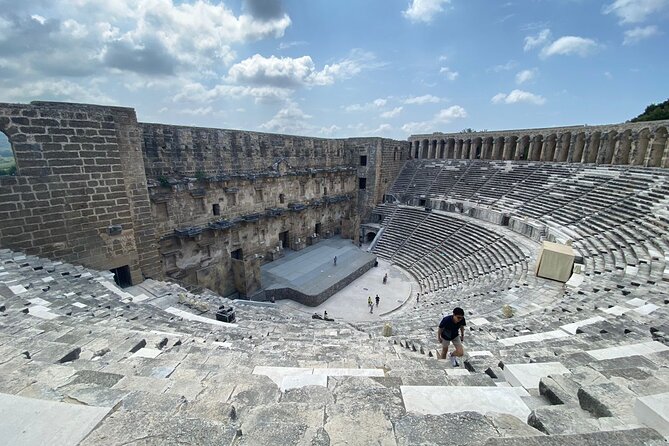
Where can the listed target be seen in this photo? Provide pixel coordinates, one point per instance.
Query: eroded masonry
(205, 207)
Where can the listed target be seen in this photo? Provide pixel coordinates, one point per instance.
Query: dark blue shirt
(449, 329)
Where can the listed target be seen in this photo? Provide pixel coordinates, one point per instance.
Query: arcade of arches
(642, 144)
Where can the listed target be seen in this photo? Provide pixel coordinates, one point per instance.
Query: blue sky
(339, 68)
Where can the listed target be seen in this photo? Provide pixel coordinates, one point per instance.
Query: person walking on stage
(377, 301)
(335, 260)
(370, 303)
(448, 332)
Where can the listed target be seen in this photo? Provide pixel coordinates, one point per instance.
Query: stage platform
(310, 276)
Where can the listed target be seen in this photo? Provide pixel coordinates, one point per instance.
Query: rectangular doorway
(122, 276)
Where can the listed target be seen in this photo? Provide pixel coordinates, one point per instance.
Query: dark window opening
(122, 276)
(421, 202)
(237, 254)
(370, 237)
(362, 183)
(282, 198)
(7, 159)
(363, 160)
(325, 190)
(317, 229)
(216, 208)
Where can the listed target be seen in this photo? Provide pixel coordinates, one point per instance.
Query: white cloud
(518, 96)
(196, 92)
(418, 127)
(201, 111)
(424, 10)
(635, 11)
(421, 100)
(83, 38)
(569, 45)
(525, 76)
(286, 45)
(290, 119)
(638, 34)
(449, 114)
(537, 40)
(288, 72)
(329, 131)
(450, 74)
(444, 116)
(375, 104)
(510, 65)
(392, 113)
(57, 90)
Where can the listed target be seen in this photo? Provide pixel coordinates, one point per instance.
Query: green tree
(654, 112)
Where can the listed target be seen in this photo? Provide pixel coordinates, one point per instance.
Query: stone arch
(416, 149)
(450, 152)
(657, 146)
(8, 160)
(510, 145)
(466, 148)
(442, 149)
(523, 152)
(563, 147)
(592, 149)
(425, 149)
(477, 148)
(487, 147)
(639, 147)
(548, 150)
(433, 149)
(536, 146)
(621, 154)
(497, 148)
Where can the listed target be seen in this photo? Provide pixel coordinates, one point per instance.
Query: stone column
(606, 147)
(638, 148)
(592, 148)
(562, 152)
(656, 148)
(498, 148)
(466, 149)
(522, 148)
(510, 143)
(621, 153)
(450, 148)
(548, 150)
(486, 151)
(535, 148)
(458, 149)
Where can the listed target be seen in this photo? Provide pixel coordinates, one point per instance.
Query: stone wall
(638, 143)
(383, 160)
(203, 206)
(79, 193)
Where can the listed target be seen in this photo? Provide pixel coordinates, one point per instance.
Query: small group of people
(370, 303)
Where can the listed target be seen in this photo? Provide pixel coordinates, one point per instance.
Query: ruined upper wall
(178, 150)
(80, 191)
(633, 143)
(546, 131)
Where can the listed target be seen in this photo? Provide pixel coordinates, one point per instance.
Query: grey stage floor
(313, 268)
(312, 271)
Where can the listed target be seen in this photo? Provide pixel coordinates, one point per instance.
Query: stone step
(653, 411)
(638, 436)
